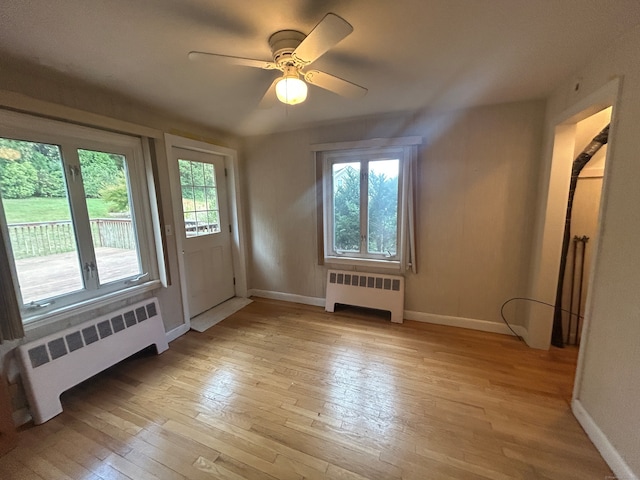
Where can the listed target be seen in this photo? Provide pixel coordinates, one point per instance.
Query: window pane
(209, 177)
(383, 207)
(346, 207)
(212, 198)
(197, 170)
(34, 196)
(185, 172)
(199, 198)
(106, 188)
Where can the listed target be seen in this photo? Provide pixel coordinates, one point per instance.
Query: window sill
(37, 321)
(363, 262)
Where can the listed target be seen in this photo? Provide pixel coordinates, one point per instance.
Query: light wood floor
(287, 391)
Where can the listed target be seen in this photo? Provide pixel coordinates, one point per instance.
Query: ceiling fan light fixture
(290, 89)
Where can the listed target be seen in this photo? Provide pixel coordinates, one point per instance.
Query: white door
(206, 236)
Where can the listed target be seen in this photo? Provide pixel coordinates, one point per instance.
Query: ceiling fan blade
(325, 35)
(245, 62)
(335, 84)
(269, 99)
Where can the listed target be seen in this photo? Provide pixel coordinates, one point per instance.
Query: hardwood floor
(289, 392)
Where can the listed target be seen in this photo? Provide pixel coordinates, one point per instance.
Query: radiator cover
(53, 364)
(383, 292)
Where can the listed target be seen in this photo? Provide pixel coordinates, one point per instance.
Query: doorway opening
(570, 132)
(583, 228)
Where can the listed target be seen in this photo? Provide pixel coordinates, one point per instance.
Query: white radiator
(383, 292)
(53, 364)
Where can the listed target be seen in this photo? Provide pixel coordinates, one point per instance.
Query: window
(367, 202)
(363, 221)
(199, 198)
(75, 209)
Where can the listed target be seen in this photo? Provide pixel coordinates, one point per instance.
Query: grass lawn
(36, 209)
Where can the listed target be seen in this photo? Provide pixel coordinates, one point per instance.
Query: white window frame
(70, 138)
(329, 154)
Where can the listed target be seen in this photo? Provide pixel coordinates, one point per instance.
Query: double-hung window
(367, 198)
(75, 208)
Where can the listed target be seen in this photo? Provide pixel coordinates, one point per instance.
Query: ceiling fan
(292, 53)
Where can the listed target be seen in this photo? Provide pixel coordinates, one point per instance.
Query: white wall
(477, 177)
(607, 391)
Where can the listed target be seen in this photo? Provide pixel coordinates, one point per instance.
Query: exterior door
(206, 240)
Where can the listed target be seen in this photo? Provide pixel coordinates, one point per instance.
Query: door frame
(549, 229)
(236, 213)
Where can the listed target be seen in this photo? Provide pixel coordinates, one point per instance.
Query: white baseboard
(177, 332)
(602, 443)
(461, 322)
(288, 297)
(470, 323)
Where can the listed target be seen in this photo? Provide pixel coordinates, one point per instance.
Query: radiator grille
(53, 364)
(365, 281)
(384, 292)
(58, 347)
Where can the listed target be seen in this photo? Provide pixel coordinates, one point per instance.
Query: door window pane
(199, 198)
(36, 207)
(346, 207)
(382, 236)
(106, 188)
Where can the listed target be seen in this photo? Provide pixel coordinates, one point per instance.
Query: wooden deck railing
(37, 239)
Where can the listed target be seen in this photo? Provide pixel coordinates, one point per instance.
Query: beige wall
(477, 171)
(608, 383)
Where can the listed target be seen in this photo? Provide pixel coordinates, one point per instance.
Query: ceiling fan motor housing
(293, 52)
(282, 44)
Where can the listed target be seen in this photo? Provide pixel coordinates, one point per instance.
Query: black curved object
(578, 164)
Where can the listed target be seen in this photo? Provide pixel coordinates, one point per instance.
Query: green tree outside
(19, 180)
(30, 170)
(382, 211)
(346, 209)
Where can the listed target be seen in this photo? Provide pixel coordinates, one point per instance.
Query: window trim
(37, 129)
(406, 202)
(364, 157)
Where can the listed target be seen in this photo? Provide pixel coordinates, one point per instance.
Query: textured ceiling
(410, 54)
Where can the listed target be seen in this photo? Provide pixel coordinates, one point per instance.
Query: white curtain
(409, 262)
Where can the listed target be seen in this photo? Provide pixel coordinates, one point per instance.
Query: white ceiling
(410, 54)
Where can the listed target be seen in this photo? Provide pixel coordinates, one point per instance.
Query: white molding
(560, 130)
(602, 443)
(88, 305)
(470, 323)
(341, 262)
(371, 143)
(610, 93)
(461, 322)
(604, 97)
(237, 219)
(236, 213)
(26, 104)
(288, 297)
(177, 332)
